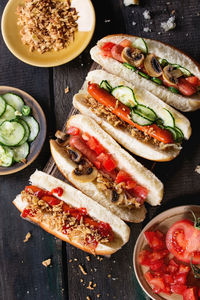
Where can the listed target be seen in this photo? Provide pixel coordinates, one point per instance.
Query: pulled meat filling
(106, 114)
(75, 223)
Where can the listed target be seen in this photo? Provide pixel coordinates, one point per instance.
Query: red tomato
(168, 278)
(58, 191)
(155, 239)
(107, 161)
(122, 176)
(158, 284)
(125, 43)
(190, 294)
(157, 265)
(193, 80)
(178, 288)
(51, 200)
(95, 145)
(148, 276)
(180, 278)
(186, 88)
(140, 191)
(183, 241)
(184, 269)
(73, 130)
(131, 184)
(106, 49)
(116, 52)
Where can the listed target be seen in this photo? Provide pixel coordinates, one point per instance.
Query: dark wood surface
(22, 276)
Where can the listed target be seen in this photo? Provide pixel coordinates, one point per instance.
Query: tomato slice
(183, 241)
(186, 88)
(106, 49)
(156, 239)
(190, 294)
(125, 43)
(123, 176)
(193, 80)
(178, 288)
(116, 52)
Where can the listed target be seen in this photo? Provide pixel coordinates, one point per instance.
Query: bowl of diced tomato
(166, 256)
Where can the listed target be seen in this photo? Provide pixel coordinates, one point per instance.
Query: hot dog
(92, 161)
(157, 67)
(136, 118)
(71, 216)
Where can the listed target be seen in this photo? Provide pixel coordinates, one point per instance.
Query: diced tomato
(106, 49)
(58, 191)
(144, 257)
(190, 294)
(107, 161)
(140, 191)
(51, 200)
(85, 136)
(27, 213)
(157, 265)
(172, 266)
(186, 88)
(158, 284)
(105, 230)
(73, 130)
(125, 43)
(148, 275)
(122, 176)
(116, 52)
(131, 184)
(95, 145)
(168, 278)
(184, 269)
(178, 288)
(180, 278)
(193, 80)
(156, 239)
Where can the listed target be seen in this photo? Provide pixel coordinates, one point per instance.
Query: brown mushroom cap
(132, 56)
(152, 66)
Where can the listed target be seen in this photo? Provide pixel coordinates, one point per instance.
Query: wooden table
(22, 275)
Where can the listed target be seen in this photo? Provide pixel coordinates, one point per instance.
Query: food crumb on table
(197, 169)
(98, 295)
(66, 90)
(82, 270)
(88, 298)
(88, 258)
(46, 262)
(147, 15)
(169, 25)
(27, 237)
(146, 29)
(90, 286)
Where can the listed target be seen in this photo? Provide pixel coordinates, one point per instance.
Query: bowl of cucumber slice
(22, 130)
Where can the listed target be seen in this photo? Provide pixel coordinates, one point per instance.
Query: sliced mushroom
(74, 154)
(152, 66)
(62, 137)
(171, 74)
(84, 174)
(132, 56)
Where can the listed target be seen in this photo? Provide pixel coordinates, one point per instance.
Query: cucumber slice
(180, 135)
(14, 100)
(128, 66)
(157, 80)
(21, 152)
(6, 156)
(125, 95)
(26, 110)
(2, 106)
(106, 86)
(144, 75)
(173, 131)
(27, 131)
(34, 127)
(185, 71)
(141, 44)
(139, 120)
(11, 133)
(8, 115)
(173, 90)
(163, 62)
(145, 112)
(168, 118)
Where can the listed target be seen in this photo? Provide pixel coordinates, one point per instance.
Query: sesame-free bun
(162, 50)
(77, 199)
(137, 146)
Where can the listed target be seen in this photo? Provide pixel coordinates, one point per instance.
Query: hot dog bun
(77, 199)
(125, 162)
(136, 146)
(162, 50)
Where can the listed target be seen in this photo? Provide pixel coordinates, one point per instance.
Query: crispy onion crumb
(47, 24)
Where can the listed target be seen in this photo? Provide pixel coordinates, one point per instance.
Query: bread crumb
(27, 237)
(88, 258)
(129, 2)
(134, 23)
(146, 14)
(197, 170)
(88, 298)
(98, 295)
(107, 21)
(46, 262)
(75, 259)
(82, 270)
(70, 260)
(169, 25)
(146, 29)
(81, 280)
(90, 287)
(94, 285)
(66, 90)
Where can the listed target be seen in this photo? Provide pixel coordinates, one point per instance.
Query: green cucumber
(168, 118)
(173, 90)
(141, 44)
(163, 62)
(8, 115)
(21, 152)
(138, 119)
(125, 95)
(11, 133)
(34, 127)
(185, 71)
(145, 112)
(6, 156)
(157, 80)
(26, 110)
(14, 100)
(27, 131)
(129, 66)
(173, 131)
(180, 135)
(2, 106)
(144, 75)
(106, 86)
